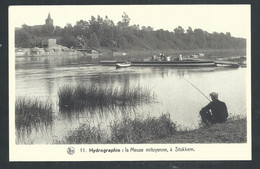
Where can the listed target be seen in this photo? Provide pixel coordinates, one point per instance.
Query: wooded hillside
(103, 32)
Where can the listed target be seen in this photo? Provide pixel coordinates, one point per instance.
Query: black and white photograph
(130, 82)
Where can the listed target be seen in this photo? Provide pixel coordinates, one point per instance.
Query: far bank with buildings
(44, 43)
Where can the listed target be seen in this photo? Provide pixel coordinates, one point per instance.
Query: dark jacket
(218, 110)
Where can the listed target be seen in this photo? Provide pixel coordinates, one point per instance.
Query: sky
(211, 18)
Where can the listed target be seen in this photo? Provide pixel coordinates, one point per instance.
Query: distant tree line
(103, 32)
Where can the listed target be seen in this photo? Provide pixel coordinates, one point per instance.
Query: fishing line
(196, 88)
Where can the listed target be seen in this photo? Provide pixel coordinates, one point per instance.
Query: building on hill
(43, 29)
(49, 21)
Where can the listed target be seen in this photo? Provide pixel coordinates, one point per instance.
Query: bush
(86, 134)
(140, 130)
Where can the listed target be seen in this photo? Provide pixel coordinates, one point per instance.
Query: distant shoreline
(145, 52)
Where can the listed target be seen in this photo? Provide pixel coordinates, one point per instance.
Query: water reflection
(32, 61)
(42, 135)
(102, 113)
(42, 77)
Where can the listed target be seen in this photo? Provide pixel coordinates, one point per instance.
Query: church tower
(49, 21)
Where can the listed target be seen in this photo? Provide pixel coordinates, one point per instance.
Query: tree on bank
(99, 32)
(23, 39)
(93, 41)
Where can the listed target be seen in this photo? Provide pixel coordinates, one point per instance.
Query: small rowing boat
(123, 65)
(227, 64)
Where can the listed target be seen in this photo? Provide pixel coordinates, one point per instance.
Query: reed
(80, 97)
(32, 114)
(140, 130)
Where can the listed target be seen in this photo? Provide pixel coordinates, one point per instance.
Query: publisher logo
(71, 150)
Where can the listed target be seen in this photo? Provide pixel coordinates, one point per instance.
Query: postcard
(130, 82)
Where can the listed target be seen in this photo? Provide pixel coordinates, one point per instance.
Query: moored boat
(123, 65)
(182, 63)
(227, 64)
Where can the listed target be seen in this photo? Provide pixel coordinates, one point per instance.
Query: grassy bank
(159, 130)
(80, 97)
(233, 131)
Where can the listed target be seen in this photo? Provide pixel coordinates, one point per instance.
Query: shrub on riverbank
(140, 130)
(86, 134)
(32, 114)
(80, 97)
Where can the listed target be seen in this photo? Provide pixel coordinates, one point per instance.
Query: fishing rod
(197, 88)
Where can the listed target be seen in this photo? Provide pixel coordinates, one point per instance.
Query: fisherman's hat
(214, 95)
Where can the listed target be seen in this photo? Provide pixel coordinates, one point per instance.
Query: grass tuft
(81, 97)
(32, 114)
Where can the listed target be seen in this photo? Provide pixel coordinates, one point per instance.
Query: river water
(41, 77)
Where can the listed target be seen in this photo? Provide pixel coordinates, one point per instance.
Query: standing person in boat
(180, 57)
(164, 57)
(215, 111)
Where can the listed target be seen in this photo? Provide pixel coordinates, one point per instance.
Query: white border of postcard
(118, 152)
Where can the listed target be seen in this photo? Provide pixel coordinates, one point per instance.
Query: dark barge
(183, 63)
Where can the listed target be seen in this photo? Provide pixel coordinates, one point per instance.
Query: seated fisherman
(215, 111)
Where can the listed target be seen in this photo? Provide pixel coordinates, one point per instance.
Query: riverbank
(233, 131)
(160, 131)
